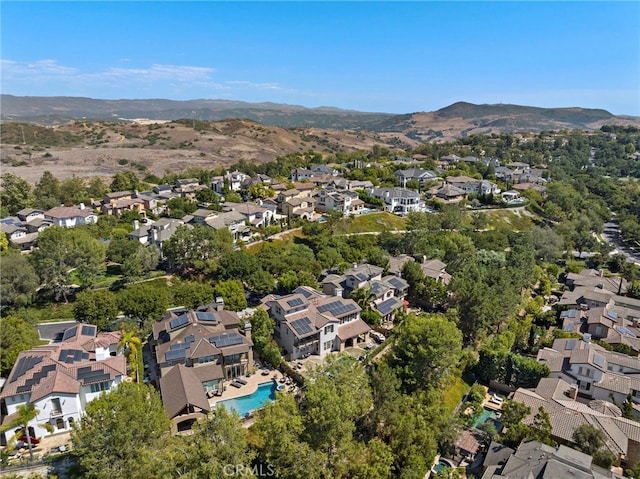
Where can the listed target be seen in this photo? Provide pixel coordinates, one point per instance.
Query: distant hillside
(454, 121)
(451, 122)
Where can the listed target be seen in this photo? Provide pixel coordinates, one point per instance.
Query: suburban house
(196, 352)
(590, 278)
(343, 184)
(298, 207)
(558, 398)
(534, 459)
(157, 233)
(309, 322)
(234, 221)
(61, 378)
(446, 193)
(400, 201)
(235, 179)
(386, 294)
(473, 185)
(116, 203)
(330, 199)
(70, 216)
(416, 174)
(256, 215)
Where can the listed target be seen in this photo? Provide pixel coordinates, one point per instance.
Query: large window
(56, 407)
(97, 387)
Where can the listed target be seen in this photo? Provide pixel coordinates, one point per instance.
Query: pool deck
(253, 381)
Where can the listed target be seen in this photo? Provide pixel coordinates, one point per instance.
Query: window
(588, 386)
(56, 407)
(327, 345)
(97, 387)
(59, 423)
(328, 329)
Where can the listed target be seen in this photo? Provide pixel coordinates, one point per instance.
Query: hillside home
(330, 199)
(400, 201)
(446, 193)
(60, 379)
(255, 215)
(309, 322)
(70, 216)
(415, 174)
(196, 352)
(157, 233)
(116, 203)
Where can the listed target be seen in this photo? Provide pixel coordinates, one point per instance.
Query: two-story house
(70, 216)
(400, 201)
(416, 174)
(61, 378)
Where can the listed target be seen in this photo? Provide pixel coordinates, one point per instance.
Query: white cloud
(254, 85)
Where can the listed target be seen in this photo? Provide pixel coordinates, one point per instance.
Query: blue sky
(396, 57)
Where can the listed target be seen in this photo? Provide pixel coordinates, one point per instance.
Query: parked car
(34, 440)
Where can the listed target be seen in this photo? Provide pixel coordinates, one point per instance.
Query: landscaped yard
(456, 391)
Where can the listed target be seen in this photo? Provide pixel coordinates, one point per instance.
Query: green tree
(96, 307)
(261, 282)
(541, 427)
(426, 348)
(97, 188)
(132, 346)
(62, 251)
(73, 191)
(48, 191)
(141, 262)
(191, 294)
(16, 335)
(225, 430)
(189, 250)
(125, 181)
(513, 413)
(588, 438)
(233, 294)
(120, 434)
(25, 413)
(146, 302)
(15, 194)
(18, 281)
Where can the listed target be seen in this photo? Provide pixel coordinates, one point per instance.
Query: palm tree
(363, 297)
(25, 413)
(132, 346)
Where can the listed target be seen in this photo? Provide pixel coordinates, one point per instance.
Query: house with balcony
(331, 199)
(155, 233)
(70, 216)
(400, 201)
(311, 323)
(61, 378)
(416, 174)
(196, 352)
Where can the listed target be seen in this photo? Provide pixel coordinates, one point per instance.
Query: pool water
(244, 405)
(441, 466)
(489, 416)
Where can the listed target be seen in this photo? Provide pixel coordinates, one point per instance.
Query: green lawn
(456, 391)
(504, 218)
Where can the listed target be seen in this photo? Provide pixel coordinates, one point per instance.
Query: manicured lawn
(456, 391)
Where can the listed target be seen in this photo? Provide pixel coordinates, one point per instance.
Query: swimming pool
(244, 405)
(489, 416)
(442, 465)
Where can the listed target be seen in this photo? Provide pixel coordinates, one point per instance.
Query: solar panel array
(302, 325)
(189, 339)
(70, 333)
(179, 321)
(175, 354)
(25, 364)
(598, 360)
(228, 339)
(88, 376)
(179, 346)
(387, 306)
(570, 344)
(71, 356)
(612, 314)
(295, 302)
(336, 308)
(626, 331)
(208, 317)
(88, 330)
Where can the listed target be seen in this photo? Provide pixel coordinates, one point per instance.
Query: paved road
(611, 234)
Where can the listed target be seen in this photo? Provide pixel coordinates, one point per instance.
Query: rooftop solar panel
(88, 330)
(25, 364)
(224, 340)
(179, 321)
(626, 331)
(295, 302)
(70, 333)
(387, 306)
(179, 346)
(189, 339)
(302, 325)
(177, 354)
(206, 316)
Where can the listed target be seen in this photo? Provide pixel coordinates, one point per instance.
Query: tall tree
(132, 346)
(426, 349)
(16, 335)
(120, 434)
(47, 191)
(189, 250)
(18, 281)
(15, 194)
(98, 307)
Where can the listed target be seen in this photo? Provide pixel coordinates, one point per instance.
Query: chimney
(573, 391)
(247, 329)
(136, 225)
(81, 206)
(586, 337)
(355, 265)
(219, 303)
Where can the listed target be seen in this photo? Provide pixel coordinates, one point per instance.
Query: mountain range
(456, 120)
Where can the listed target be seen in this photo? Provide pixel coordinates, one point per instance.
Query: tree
(588, 438)
(125, 181)
(96, 307)
(189, 250)
(237, 265)
(233, 294)
(513, 413)
(16, 335)
(261, 282)
(191, 294)
(73, 191)
(97, 188)
(25, 413)
(61, 251)
(132, 346)
(18, 281)
(15, 194)
(633, 290)
(146, 302)
(141, 262)
(121, 432)
(47, 192)
(541, 426)
(224, 430)
(427, 347)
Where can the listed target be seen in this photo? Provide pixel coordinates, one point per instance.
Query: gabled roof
(181, 388)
